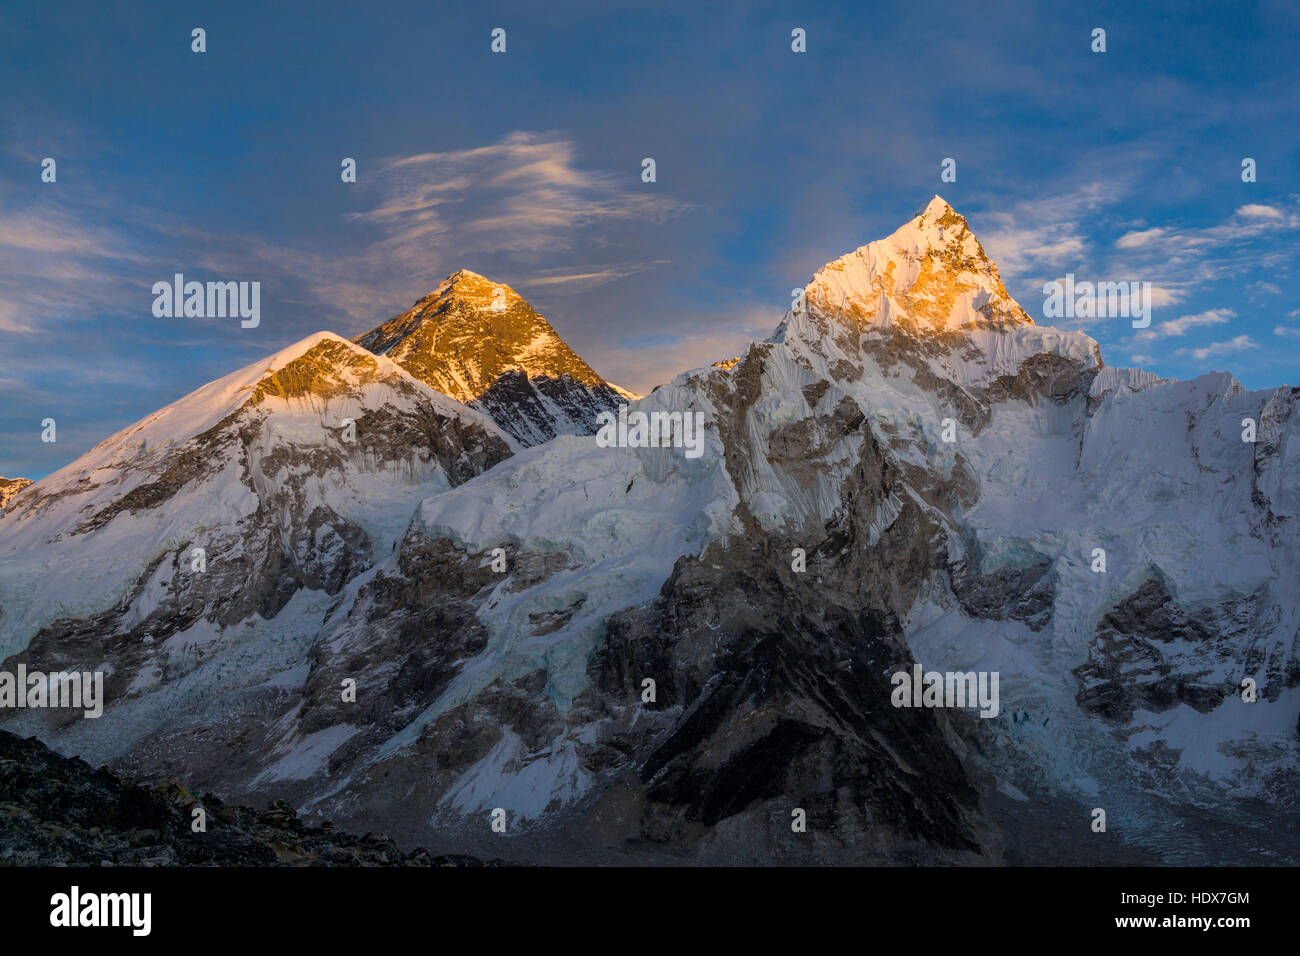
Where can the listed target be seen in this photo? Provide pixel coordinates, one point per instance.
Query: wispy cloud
(528, 194)
(1181, 246)
(1038, 240)
(523, 200)
(1239, 343)
(599, 276)
(1180, 325)
(57, 265)
(1140, 238)
(1034, 237)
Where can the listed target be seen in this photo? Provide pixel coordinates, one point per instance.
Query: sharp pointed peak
(931, 273)
(461, 337)
(938, 211)
(936, 207)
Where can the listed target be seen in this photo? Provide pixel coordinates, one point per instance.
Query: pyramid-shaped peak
(463, 304)
(930, 274)
(936, 225)
(470, 288)
(467, 279)
(469, 331)
(937, 208)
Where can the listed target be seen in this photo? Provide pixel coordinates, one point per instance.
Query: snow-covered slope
(909, 470)
(481, 343)
(293, 472)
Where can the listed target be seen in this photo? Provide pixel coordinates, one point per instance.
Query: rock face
(60, 812)
(479, 342)
(639, 655)
(9, 488)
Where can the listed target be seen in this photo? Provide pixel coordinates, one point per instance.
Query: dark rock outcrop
(56, 810)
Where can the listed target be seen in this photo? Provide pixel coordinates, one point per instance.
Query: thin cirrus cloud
(56, 266)
(529, 197)
(599, 276)
(524, 198)
(523, 204)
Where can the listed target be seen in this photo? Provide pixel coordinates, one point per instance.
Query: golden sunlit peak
(472, 289)
(936, 208)
(930, 274)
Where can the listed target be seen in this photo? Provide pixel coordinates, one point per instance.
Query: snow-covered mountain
(908, 471)
(9, 487)
(290, 476)
(481, 343)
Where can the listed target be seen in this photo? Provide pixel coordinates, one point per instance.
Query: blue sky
(525, 167)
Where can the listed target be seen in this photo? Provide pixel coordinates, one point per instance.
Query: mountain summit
(481, 343)
(931, 275)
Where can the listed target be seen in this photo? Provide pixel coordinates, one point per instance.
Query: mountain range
(397, 582)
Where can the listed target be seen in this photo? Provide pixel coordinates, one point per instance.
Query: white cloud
(1256, 211)
(1287, 332)
(1238, 344)
(1180, 325)
(1162, 296)
(1135, 240)
(1188, 258)
(1040, 234)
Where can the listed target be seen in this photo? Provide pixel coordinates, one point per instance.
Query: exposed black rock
(60, 811)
